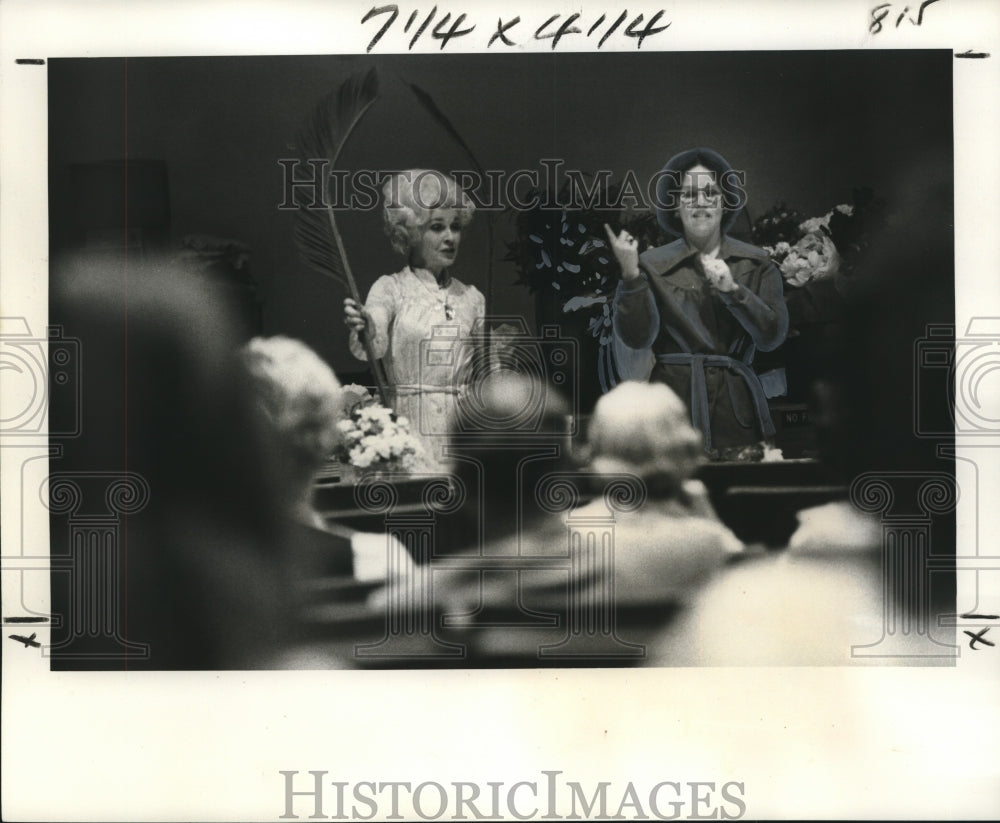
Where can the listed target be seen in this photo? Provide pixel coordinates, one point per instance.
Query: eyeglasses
(710, 196)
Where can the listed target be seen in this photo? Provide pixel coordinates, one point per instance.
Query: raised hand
(626, 250)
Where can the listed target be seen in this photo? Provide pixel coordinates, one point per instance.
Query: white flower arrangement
(814, 256)
(373, 437)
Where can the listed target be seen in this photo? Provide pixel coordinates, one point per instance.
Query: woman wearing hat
(704, 304)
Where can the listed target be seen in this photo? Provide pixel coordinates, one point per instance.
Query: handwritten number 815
(879, 13)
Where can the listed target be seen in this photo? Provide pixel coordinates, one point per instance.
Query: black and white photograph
(422, 361)
(503, 412)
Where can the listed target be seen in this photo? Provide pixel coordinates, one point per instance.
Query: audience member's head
(644, 429)
(165, 398)
(300, 398)
(509, 433)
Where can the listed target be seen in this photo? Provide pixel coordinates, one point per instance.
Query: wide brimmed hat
(669, 183)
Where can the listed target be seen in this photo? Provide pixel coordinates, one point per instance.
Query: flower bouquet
(818, 258)
(805, 252)
(814, 257)
(374, 439)
(816, 248)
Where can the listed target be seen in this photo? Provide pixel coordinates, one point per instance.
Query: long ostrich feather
(322, 138)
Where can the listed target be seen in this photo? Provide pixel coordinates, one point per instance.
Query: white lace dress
(422, 333)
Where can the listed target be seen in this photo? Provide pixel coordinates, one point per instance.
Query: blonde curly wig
(410, 197)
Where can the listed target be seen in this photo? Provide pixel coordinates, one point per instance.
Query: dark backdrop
(805, 126)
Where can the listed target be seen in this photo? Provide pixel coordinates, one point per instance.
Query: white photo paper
(769, 662)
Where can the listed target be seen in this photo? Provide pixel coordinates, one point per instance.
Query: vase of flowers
(375, 441)
(814, 257)
(817, 257)
(817, 248)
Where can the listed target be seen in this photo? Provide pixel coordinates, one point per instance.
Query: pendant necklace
(449, 311)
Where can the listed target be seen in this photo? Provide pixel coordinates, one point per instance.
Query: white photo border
(806, 743)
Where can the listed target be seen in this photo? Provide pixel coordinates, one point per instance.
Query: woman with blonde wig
(419, 319)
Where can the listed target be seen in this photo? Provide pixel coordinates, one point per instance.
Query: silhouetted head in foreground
(167, 400)
(644, 429)
(300, 399)
(509, 433)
